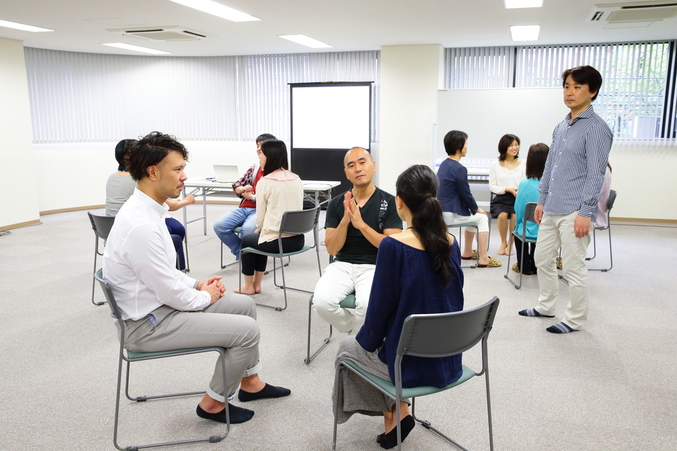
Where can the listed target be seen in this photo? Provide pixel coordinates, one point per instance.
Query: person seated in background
(120, 186)
(355, 224)
(505, 175)
(602, 210)
(163, 308)
(528, 192)
(245, 215)
(457, 201)
(278, 191)
(417, 271)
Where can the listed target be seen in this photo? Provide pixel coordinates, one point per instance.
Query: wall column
(19, 206)
(411, 76)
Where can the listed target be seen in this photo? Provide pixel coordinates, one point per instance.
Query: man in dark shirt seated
(356, 223)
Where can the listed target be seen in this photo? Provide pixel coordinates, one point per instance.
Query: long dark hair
(276, 155)
(417, 187)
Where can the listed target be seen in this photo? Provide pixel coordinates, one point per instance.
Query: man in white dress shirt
(164, 308)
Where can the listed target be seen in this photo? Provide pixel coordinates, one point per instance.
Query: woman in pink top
(278, 191)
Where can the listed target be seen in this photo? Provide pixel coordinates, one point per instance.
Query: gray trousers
(228, 323)
(352, 393)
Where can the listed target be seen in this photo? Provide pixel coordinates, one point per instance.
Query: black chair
(433, 336)
(292, 223)
(101, 226)
(130, 356)
(609, 206)
(529, 210)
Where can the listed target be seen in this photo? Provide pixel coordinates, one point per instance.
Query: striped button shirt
(574, 171)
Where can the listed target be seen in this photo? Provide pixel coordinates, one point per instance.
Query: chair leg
(96, 253)
(611, 255)
(210, 439)
(309, 358)
(507, 271)
(594, 245)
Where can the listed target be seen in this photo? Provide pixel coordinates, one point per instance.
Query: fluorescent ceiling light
(525, 32)
(305, 40)
(20, 26)
(136, 48)
(217, 9)
(511, 4)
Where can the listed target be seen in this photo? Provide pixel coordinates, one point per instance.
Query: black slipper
(269, 391)
(389, 440)
(237, 414)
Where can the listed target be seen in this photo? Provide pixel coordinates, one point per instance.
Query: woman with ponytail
(417, 271)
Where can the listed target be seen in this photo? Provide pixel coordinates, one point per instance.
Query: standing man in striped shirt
(568, 196)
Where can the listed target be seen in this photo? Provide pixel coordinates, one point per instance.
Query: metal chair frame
(610, 205)
(293, 223)
(130, 356)
(101, 225)
(347, 302)
(460, 240)
(433, 336)
(529, 210)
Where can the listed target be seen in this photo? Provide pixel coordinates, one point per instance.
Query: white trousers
(338, 281)
(482, 221)
(554, 232)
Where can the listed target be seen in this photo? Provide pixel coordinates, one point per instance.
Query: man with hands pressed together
(355, 225)
(568, 195)
(165, 309)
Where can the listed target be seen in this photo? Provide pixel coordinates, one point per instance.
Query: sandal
(493, 263)
(474, 256)
(515, 268)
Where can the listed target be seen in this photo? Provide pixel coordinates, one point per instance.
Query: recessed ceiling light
(217, 9)
(20, 26)
(136, 48)
(525, 32)
(305, 40)
(511, 4)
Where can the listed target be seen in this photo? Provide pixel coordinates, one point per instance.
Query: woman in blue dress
(417, 271)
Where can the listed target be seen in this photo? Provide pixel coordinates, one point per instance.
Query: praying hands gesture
(351, 211)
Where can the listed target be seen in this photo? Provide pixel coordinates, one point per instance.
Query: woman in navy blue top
(417, 271)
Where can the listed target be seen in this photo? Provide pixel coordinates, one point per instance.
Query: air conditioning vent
(647, 12)
(166, 34)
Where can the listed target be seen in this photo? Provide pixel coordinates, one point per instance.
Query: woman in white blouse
(279, 190)
(505, 175)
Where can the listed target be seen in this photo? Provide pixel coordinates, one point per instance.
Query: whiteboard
(487, 114)
(330, 115)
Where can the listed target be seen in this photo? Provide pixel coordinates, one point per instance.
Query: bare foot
(257, 290)
(246, 290)
(501, 250)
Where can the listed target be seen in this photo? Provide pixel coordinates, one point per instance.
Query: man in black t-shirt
(356, 222)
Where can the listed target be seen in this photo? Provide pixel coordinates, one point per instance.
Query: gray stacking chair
(609, 206)
(529, 210)
(433, 336)
(101, 226)
(292, 223)
(347, 302)
(130, 356)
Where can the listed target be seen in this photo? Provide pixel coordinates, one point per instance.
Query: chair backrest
(611, 200)
(529, 210)
(299, 222)
(110, 297)
(446, 334)
(101, 224)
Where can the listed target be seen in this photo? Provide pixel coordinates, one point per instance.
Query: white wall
(19, 204)
(410, 80)
(74, 175)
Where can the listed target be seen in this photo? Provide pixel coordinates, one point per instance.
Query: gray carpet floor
(608, 387)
